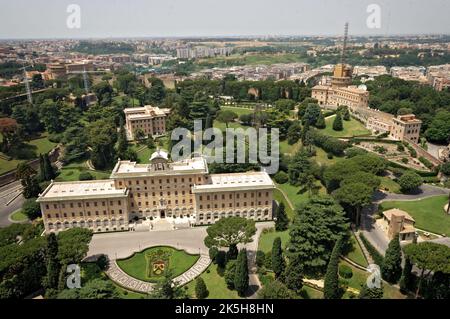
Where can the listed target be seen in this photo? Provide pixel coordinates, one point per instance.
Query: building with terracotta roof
(396, 221)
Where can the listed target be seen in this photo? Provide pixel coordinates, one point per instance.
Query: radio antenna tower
(344, 44)
(27, 86)
(85, 80)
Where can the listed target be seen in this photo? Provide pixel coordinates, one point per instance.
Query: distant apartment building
(160, 190)
(149, 119)
(410, 73)
(202, 52)
(438, 76)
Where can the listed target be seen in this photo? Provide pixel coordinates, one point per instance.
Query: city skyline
(180, 19)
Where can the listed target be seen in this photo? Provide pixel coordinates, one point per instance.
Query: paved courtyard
(124, 244)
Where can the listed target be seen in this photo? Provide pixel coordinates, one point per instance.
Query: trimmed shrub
(260, 258)
(345, 271)
(85, 176)
(281, 177)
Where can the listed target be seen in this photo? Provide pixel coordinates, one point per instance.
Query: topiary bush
(281, 177)
(85, 176)
(345, 271)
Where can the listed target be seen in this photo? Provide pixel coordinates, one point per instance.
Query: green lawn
(356, 255)
(72, 172)
(267, 238)
(90, 271)
(143, 153)
(215, 284)
(238, 110)
(6, 166)
(19, 216)
(279, 197)
(285, 148)
(293, 194)
(311, 293)
(351, 128)
(136, 265)
(359, 278)
(428, 213)
(322, 158)
(221, 126)
(389, 185)
(43, 145)
(39, 146)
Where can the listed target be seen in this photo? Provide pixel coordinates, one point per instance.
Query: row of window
(82, 223)
(160, 181)
(160, 194)
(169, 202)
(231, 204)
(230, 196)
(81, 214)
(87, 204)
(244, 214)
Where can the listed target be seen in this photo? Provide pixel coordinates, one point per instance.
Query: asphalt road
(7, 193)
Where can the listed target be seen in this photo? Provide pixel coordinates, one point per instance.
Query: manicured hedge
(376, 256)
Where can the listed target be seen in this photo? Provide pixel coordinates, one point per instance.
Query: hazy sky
(150, 18)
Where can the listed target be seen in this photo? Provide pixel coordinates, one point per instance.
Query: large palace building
(341, 93)
(161, 190)
(151, 120)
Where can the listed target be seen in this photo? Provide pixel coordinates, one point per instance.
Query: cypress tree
(241, 273)
(320, 123)
(346, 114)
(391, 268)
(278, 264)
(232, 252)
(407, 278)
(53, 266)
(201, 292)
(49, 171)
(337, 124)
(293, 277)
(331, 286)
(282, 221)
(42, 175)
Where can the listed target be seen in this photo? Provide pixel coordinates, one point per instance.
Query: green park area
(428, 213)
(72, 172)
(19, 216)
(355, 254)
(35, 147)
(351, 128)
(253, 59)
(152, 263)
(215, 284)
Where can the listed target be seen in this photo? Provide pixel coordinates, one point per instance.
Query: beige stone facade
(396, 221)
(151, 120)
(406, 128)
(161, 189)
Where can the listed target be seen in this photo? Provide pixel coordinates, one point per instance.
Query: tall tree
(428, 257)
(337, 123)
(167, 289)
(48, 168)
(227, 117)
(275, 290)
(241, 273)
(407, 277)
(317, 225)
(293, 276)
(278, 263)
(331, 288)
(201, 292)
(27, 176)
(53, 266)
(391, 269)
(230, 231)
(320, 123)
(356, 196)
(282, 220)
